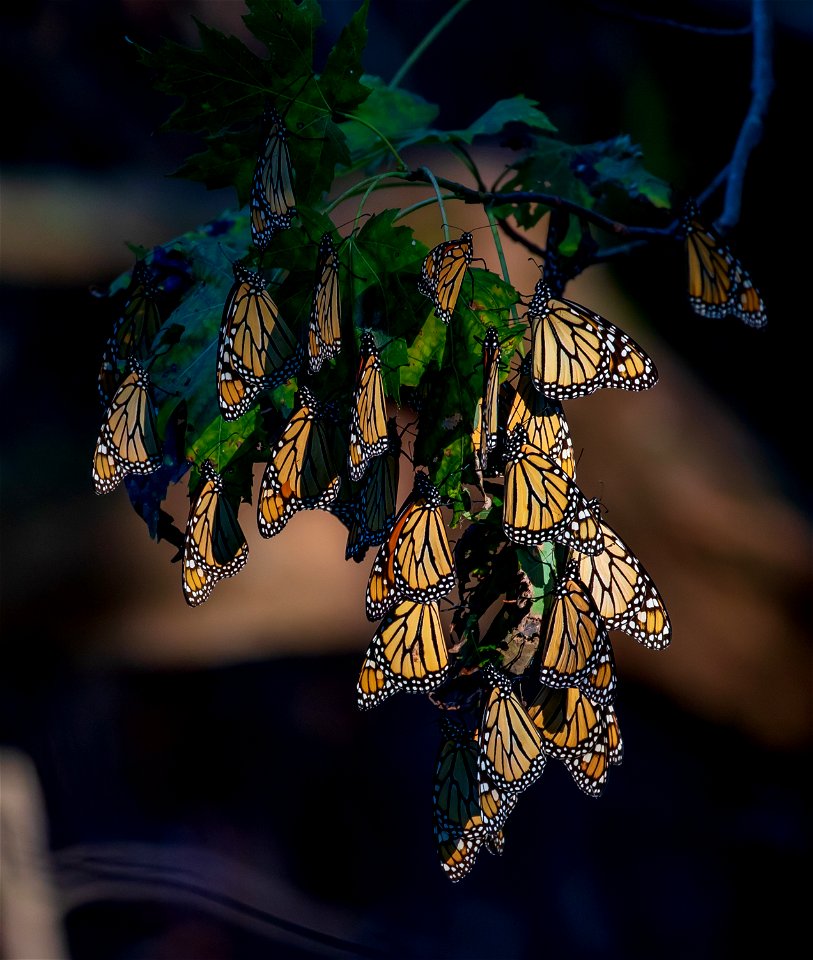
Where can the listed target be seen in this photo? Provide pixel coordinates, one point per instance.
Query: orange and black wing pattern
(368, 414)
(542, 503)
(542, 418)
(407, 653)
(302, 473)
(257, 350)
(567, 720)
(625, 595)
(214, 545)
(511, 755)
(442, 273)
(589, 769)
(415, 561)
(719, 285)
(128, 439)
(575, 352)
(133, 330)
(325, 319)
(576, 651)
(272, 206)
(460, 824)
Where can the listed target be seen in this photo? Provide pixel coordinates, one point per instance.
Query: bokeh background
(186, 784)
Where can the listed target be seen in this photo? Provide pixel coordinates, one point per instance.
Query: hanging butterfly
(442, 274)
(567, 720)
(133, 330)
(624, 593)
(542, 418)
(575, 352)
(576, 651)
(324, 324)
(368, 414)
(272, 206)
(415, 561)
(257, 350)
(407, 653)
(719, 285)
(214, 545)
(589, 769)
(302, 472)
(541, 502)
(484, 438)
(460, 830)
(128, 439)
(370, 514)
(511, 754)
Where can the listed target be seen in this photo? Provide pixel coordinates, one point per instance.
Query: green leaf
(539, 564)
(496, 118)
(395, 114)
(287, 28)
(341, 80)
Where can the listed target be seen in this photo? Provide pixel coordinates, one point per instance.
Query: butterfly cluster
(505, 710)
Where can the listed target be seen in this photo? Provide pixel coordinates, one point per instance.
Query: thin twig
(613, 10)
(427, 40)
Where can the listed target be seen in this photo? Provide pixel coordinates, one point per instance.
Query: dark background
(202, 798)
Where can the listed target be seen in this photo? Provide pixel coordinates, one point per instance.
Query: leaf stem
(416, 54)
(366, 123)
(431, 178)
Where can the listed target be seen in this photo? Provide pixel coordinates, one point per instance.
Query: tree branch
(751, 130)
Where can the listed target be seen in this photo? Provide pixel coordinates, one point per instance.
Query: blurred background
(198, 784)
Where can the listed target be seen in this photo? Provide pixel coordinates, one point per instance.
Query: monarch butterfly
(567, 720)
(128, 439)
(301, 474)
(271, 203)
(574, 351)
(133, 330)
(589, 769)
(719, 285)
(442, 273)
(415, 560)
(408, 652)
(542, 503)
(487, 412)
(511, 749)
(458, 818)
(543, 419)
(371, 515)
(214, 545)
(577, 651)
(257, 350)
(368, 416)
(625, 595)
(324, 324)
